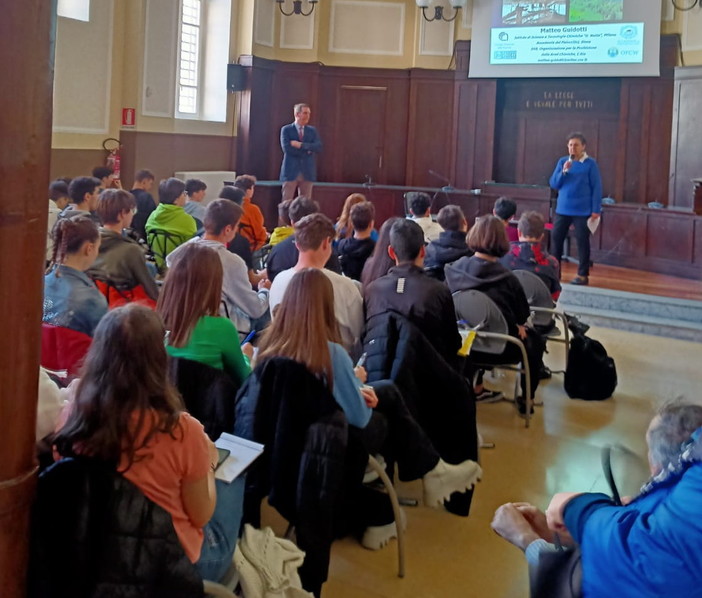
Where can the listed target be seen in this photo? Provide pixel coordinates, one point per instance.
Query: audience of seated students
(528, 253)
(196, 190)
(314, 235)
(58, 200)
(380, 262)
(419, 207)
(451, 244)
(71, 299)
(354, 251)
(284, 255)
(84, 192)
(343, 226)
(126, 412)
(407, 290)
(145, 204)
(189, 305)
(284, 228)
(121, 261)
(171, 218)
(505, 209)
(483, 272)
(628, 550)
(240, 245)
(306, 330)
(251, 225)
(241, 304)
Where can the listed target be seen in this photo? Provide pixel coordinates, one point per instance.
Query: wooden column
(26, 62)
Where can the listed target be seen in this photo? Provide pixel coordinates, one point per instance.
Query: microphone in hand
(569, 163)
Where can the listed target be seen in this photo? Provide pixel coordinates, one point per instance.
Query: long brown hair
(124, 397)
(303, 323)
(69, 235)
(343, 224)
(379, 262)
(192, 289)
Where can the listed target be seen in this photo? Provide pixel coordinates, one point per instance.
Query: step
(658, 316)
(678, 310)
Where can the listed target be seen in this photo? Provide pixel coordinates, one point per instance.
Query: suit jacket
(299, 161)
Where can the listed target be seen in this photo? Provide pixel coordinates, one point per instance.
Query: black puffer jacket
(95, 534)
(306, 461)
(450, 246)
(436, 394)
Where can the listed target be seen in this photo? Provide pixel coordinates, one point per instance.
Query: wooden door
(360, 126)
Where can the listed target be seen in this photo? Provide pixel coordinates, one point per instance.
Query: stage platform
(636, 301)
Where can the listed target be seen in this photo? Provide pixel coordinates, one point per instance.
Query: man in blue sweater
(577, 179)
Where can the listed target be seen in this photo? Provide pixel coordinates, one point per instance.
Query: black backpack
(591, 374)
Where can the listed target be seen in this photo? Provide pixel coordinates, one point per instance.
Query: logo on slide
(628, 31)
(613, 52)
(504, 36)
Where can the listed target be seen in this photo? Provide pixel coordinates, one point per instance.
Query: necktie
(301, 133)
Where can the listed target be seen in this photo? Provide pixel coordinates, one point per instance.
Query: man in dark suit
(300, 142)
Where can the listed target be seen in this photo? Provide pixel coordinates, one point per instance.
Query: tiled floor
(454, 557)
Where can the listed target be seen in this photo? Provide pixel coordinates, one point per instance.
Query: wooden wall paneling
(660, 125)
(697, 243)
(668, 236)
(623, 231)
(686, 134)
(474, 109)
(606, 151)
(430, 129)
(255, 133)
(77, 162)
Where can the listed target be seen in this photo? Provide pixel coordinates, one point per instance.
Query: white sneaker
(445, 479)
(377, 536)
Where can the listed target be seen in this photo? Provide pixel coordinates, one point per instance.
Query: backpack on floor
(591, 374)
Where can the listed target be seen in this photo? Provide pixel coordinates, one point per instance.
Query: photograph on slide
(554, 12)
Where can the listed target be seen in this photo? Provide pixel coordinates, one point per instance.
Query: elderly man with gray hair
(651, 546)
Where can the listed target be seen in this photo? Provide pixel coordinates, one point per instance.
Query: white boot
(377, 536)
(445, 479)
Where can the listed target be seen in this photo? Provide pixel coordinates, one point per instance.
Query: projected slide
(565, 32)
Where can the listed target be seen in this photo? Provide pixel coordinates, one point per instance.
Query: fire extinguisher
(113, 160)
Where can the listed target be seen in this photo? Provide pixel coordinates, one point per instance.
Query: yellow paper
(468, 338)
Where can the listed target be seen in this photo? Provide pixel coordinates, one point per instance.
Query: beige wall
(100, 64)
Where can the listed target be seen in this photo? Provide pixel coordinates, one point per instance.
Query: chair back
(478, 312)
(119, 294)
(161, 243)
(63, 349)
(208, 393)
(537, 295)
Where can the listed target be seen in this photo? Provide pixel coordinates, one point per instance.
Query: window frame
(200, 65)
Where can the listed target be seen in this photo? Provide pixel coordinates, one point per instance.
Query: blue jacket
(651, 548)
(579, 190)
(72, 300)
(299, 161)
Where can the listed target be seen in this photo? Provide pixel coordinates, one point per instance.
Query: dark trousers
(534, 345)
(394, 433)
(582, 238)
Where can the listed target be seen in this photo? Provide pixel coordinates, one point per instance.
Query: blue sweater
(651, 548)
(579, 189)
(347, 391)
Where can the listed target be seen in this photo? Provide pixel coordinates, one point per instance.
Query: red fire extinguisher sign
(128, 117)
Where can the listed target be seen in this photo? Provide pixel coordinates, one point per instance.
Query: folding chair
(161, 243)
(478, 313)
(544, 314)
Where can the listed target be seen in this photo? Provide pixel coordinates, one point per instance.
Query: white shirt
(348, 304)
(431, 229)
(53, 217)
(243, 303)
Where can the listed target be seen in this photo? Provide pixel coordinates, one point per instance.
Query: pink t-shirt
(168, 463)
